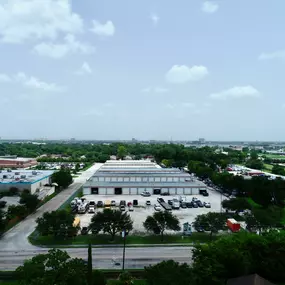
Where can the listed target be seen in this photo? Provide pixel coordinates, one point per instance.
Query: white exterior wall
(195, 191)
(169, 179)
(102, 191)
(110, 191)
(134, 191)
(120, 179)
(126, 191)
(175, 179)
(172, 191)
(86, 191)
(179, 191)
(140, 190)
(157, 179)
(145, 179)
(101, 178)
(187, 191)
(126, 179)
(108, 179)
(163, 179)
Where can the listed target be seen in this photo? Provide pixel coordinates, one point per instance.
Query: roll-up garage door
(172, 191)
(180, 191)
(195, 191)
(187, 191)
(110, 191)
(140, 190)
(126, 191)
(102, 191)
(134, 191)
(86, 191)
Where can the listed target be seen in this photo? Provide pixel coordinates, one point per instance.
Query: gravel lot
(142, 211)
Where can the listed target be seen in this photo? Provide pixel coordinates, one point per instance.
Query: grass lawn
(131, 240)
(267, 167)
(275, 156)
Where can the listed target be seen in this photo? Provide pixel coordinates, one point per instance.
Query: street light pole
(124, 248)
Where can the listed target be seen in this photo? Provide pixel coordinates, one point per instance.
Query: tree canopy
(63, 178)
(159, 222)
(111, 222)
(29, 201)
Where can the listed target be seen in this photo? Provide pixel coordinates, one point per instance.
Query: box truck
(233, 225)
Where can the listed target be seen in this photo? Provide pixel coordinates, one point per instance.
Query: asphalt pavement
(104, 258)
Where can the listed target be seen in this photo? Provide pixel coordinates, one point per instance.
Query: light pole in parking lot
(124, 234)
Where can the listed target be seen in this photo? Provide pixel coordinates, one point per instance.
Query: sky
(144, 69)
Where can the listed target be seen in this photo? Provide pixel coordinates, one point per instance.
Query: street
(136, 257)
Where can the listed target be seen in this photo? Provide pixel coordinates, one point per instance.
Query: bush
(14, 191)
(98, 278)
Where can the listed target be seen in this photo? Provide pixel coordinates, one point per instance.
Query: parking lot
(142, 211)
(10, 200)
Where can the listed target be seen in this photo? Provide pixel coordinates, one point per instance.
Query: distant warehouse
(12, 161)
(133, 177)
(32, 180)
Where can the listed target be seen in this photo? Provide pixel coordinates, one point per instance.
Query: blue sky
(149, 69)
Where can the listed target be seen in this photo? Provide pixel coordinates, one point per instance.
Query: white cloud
(155, 18)
(22, 20)
(84, 69)
(4, 77)
(107, 29)
(182, 73)
(34, 83)
(210, 7)
(188, 105)
(280, 54)
(156, 89)
(70, 46)
(236, 92)
(93, 112)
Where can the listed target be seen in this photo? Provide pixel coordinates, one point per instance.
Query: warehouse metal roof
(141, 174)
(23, 176)
(143, 169)
(131, 184)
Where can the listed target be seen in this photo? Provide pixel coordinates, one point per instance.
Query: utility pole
(124, 234)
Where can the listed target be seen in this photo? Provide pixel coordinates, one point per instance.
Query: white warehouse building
(132, 177)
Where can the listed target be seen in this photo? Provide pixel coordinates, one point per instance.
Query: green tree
(161, 221)
(99, 278)
(111, 222)
(122, 152)
(277, 169)
(55, 267)
(126, 278)
(15, 211)
(212, 222)
(89, 265)
(255, 164)
(236, 204)
(166, 162)
(63, 178)
(169, 273)
(57, 223)
(30, 201)
(2, 222)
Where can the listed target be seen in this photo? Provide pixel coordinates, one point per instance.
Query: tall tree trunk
(162, 236)
(89, 265)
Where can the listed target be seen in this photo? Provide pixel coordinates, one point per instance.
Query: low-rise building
(16, 162)
(133, 177)
(32, 180)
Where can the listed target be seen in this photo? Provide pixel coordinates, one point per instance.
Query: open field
(275, 156)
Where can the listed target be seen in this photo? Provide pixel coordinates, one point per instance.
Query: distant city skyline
(150, 70)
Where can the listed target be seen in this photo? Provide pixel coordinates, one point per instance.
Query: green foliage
(57, 223)
(122, 152)
(255, 164)
(14, 191)
(236, 204)
(2, 222)
(169, 273)
(98, 278)
(111, 222)
(277, 169)
(126, 278)
(166, 162)
(212, 222)
(161, 221)
(55, 267)
(16, 211)
(29, 201)
(62, 177)
(238, 255)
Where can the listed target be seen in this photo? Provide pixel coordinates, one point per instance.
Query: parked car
(200, 230)
(84, 231)
(195, 205)
(100, 204)
(170, 202)
(148, 203)
(131, 208)
(92, 203)
(145, 194)
(122, 208)
(189, 204)
(183, 205)
(200, 204)
(207, 205)
(91, 209)
(160, 200)
(194, 199)
(157, 207)
(113, 203)
(122, 203)
(164, 194)
(175, 204)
